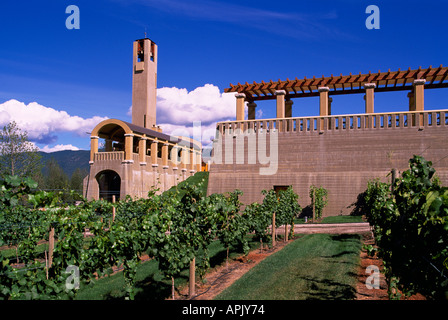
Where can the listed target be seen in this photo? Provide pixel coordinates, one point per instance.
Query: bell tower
(144, 83)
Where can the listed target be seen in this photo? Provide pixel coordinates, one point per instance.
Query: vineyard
(410, 223)
(59, 247)
(49, 249)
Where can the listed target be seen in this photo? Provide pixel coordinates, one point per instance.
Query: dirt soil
(362, 292)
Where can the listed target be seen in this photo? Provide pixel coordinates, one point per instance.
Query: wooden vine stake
(273, 229)
(192, 277)
(50, 247)
(113, 208)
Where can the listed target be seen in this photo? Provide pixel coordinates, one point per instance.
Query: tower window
(152, 51)
(140, 51)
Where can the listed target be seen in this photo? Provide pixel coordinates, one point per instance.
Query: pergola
(415, 81)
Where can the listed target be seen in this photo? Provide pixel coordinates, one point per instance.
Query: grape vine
(175, 228)
(410, 224)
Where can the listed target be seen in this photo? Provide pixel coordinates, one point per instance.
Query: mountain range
(68, 160)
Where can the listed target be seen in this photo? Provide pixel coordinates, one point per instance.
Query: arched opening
(109, 183)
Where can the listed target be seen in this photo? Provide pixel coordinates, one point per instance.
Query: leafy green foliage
(288, 208)
(173, 228)
(318, 197)
(410, 225)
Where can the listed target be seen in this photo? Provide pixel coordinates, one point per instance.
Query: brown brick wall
(341, 161)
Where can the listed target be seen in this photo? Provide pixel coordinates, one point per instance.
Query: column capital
(251, 104)
(94, 137)
(240, 95)
(280, 92)
(369, 85)
(419, 82)
(323, 89)
(128, 134)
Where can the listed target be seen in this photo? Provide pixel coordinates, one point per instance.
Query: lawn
(315, 266)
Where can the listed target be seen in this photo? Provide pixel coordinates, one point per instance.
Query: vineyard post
(192, 277)
(46, 264)
(50, 247)
(113, 208)
(273, 229)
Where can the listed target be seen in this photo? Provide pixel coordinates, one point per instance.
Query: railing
(109, 156)
(411, 119)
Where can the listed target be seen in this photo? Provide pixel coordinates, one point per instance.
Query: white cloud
(59, 147)
(178, 109)
(43, 123)
(206, 104)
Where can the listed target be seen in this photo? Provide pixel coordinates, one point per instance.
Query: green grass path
(316, 266)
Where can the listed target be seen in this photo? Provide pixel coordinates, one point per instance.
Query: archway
(109, 183)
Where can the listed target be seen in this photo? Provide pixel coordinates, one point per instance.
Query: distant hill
(68, 160)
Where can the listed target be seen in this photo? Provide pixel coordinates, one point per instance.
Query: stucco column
(323, 101)
(184, 159)
(154, 151)
(419, 94)
(128, 147)
(165, 155)
(251, 110)
(419, 99)
(323, 104)
(142, 150)
(174, 156)
(198, 161)
(240, 99)
(280, 94)
(192, 161)
(93, 148)
(369, 97)
(183, 162)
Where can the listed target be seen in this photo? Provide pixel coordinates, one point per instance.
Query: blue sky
(64, 81)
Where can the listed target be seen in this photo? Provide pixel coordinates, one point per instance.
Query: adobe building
(339, 152)
(137, 157)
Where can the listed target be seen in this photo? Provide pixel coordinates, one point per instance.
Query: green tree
(77, 178)
(18, 156)
(56, 178)
(319, 201)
